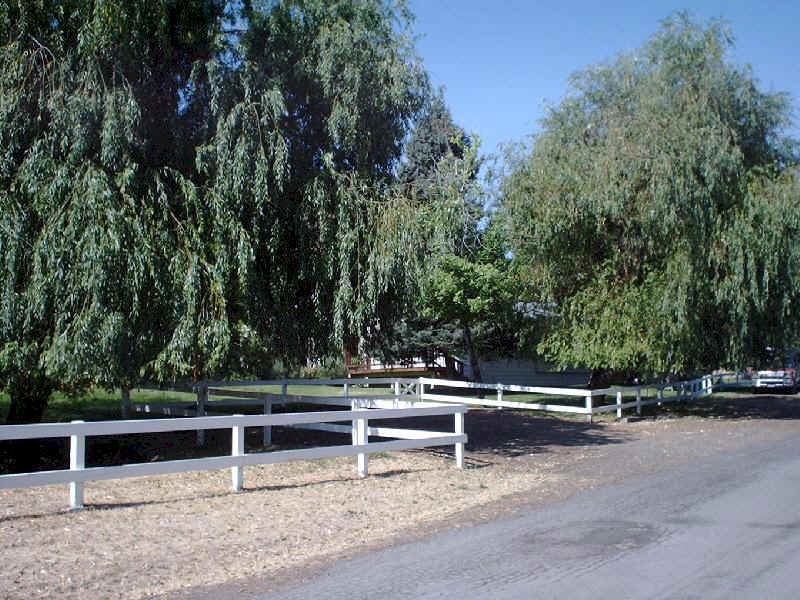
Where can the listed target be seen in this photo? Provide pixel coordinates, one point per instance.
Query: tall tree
(311, 118)
(466, 301)
(656, 212)
(435, 137)
(191, 189)
(96, 143)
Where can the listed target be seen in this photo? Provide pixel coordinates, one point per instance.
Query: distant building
(515, 371)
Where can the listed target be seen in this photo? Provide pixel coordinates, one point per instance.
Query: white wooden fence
(78, 431)
(219, 397)
(406, 398)
(637, 396)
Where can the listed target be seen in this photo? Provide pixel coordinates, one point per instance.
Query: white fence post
(639, 400)
(77, 474)
(125, 402)
(660, 395)
(267, 441)
(499, 395)
(619, 404)
(202, 396)
(588, 409)
(237, 449)
(77, 461)
(363, 440)
(396, 390)
(459, 429)
(421, 389)
(354, 423)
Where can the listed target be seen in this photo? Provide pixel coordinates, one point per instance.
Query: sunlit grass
(99, 404)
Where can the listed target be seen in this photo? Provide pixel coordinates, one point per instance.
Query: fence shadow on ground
(194, 496)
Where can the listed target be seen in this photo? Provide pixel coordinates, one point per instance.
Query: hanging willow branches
(183, 198)
(658, 211)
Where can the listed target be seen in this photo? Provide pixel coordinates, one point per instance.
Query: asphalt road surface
(725, 526)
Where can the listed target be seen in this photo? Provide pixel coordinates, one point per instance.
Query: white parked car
(770, 379)
(781, 375)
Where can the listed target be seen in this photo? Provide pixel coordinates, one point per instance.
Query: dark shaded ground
(512, 433)
(505, 433)
(731, 405)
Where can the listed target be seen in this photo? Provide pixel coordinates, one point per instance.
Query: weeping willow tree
(311, 117)
(658, 213)
(96, 165)
(190, 190)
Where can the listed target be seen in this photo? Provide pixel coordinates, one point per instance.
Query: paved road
(727, 526)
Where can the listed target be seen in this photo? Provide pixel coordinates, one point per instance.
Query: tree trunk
(29, 395)
(473, 358)
(125, 402)
(450, 366)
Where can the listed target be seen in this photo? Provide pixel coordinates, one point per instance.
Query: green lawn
(314, 390)
(99, 404)
(94, 405)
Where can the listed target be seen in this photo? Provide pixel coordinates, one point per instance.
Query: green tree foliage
(462, 289)
(656, 211)
(94, 158)
(310, 114)
(435, 137)
(192, 189)
(477, 294)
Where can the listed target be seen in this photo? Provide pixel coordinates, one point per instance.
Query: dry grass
(158, 535)
(144, 536)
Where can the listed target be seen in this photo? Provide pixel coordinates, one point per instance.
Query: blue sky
(501, 61)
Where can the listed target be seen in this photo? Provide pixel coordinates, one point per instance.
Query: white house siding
(525, 372)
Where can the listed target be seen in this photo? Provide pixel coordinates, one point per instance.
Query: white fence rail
(636, 396)
(404, 395)
(405, 398)
(429, 389)
(78, 431)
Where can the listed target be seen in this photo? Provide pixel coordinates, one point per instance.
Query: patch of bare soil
(187, 535)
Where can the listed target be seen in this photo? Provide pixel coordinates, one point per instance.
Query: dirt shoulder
(187, 536)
